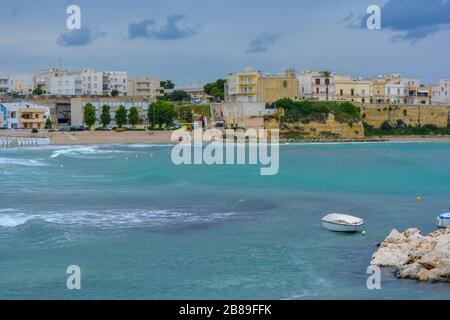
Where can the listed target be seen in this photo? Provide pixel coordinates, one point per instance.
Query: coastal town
(66, 105)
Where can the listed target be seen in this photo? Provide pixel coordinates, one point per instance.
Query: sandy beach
(160, 137)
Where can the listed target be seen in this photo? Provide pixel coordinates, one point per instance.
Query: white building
(43, 78)
(5, 84)
(92, 82)
(24, 115)
(66, 84)
(115, 80)
(315, 85)
(145, 87)
(396, 93)
(441, 92)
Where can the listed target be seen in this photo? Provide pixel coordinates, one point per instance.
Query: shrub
(34, 130)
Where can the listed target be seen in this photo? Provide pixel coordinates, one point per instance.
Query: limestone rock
(423, 258)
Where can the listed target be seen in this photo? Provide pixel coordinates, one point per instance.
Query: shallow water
(141, 228)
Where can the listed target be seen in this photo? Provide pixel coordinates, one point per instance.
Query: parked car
(104, 129)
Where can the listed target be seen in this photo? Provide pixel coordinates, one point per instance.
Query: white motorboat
(443, 220)
(342, 223)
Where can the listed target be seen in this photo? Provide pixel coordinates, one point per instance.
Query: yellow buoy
(418, 198)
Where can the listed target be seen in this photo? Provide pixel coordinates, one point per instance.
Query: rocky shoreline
(418, 257)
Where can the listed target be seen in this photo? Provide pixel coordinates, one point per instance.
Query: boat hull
(443, 223)
(338, 227)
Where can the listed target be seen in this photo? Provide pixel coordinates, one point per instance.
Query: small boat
(342, 223)
(443, 220)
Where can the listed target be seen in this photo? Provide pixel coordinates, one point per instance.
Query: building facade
(274, 87)
(353, 90)
(441, 92)
(242, 115)
(5, 84)
(68, 84)
(115, 81)
(198, 95)
(242, 87)
(145, 87)
(92, 82)
(316, 85)
(396, 92)
(24, 116)
(77, 107)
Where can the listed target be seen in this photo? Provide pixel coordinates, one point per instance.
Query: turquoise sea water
(141, 228)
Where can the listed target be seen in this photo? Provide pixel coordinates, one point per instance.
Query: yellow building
(252, 86)
(379, 90)
(346, 89)
(242, 87)
(274, 87)
(30, 118)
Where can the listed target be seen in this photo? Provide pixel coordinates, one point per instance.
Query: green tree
(105, 117)
(168, 84)
(48, 124)
(89, 115)
(133, 116)
(121, 116)
(114, 93)
(38, 91)
(327, 75)
(216, 89)
(161, 113)
(179, 95)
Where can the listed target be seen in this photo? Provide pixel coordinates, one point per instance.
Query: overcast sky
(195, 41)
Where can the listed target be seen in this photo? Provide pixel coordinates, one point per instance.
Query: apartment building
(420, 96)
(396, 92)
(5, 84)
(115, 81)
(92, 82)
(353, 90)
(316, 85)
(77, 107)
(441, 92)
(24, 116)
(242, 86)
(68, 84)
(145, 87)
(42, 78)
(274, 87)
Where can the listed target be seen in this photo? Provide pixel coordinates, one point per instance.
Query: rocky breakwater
(423, 258)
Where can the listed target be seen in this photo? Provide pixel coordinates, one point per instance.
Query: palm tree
(327, 75)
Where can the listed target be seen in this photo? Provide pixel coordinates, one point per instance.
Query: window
(285, 84)
(317, 90)
(342, 92)
(327, 82)
(318, 82)
(352, 92)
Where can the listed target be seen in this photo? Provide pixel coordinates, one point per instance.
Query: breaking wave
(114, 219)
(21, 162)
(82, 152)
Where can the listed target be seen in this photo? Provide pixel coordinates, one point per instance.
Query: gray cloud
(413, 20)
(262, 42)
(170, 31)
(79, 37)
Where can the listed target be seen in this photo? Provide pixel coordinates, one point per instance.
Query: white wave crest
(82, 152)
(114, 219)
(21, 162)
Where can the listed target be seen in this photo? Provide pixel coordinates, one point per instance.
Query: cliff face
(330, 129)
(414, 116)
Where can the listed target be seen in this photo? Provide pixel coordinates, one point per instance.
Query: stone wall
(415, 116)
(330, 129)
